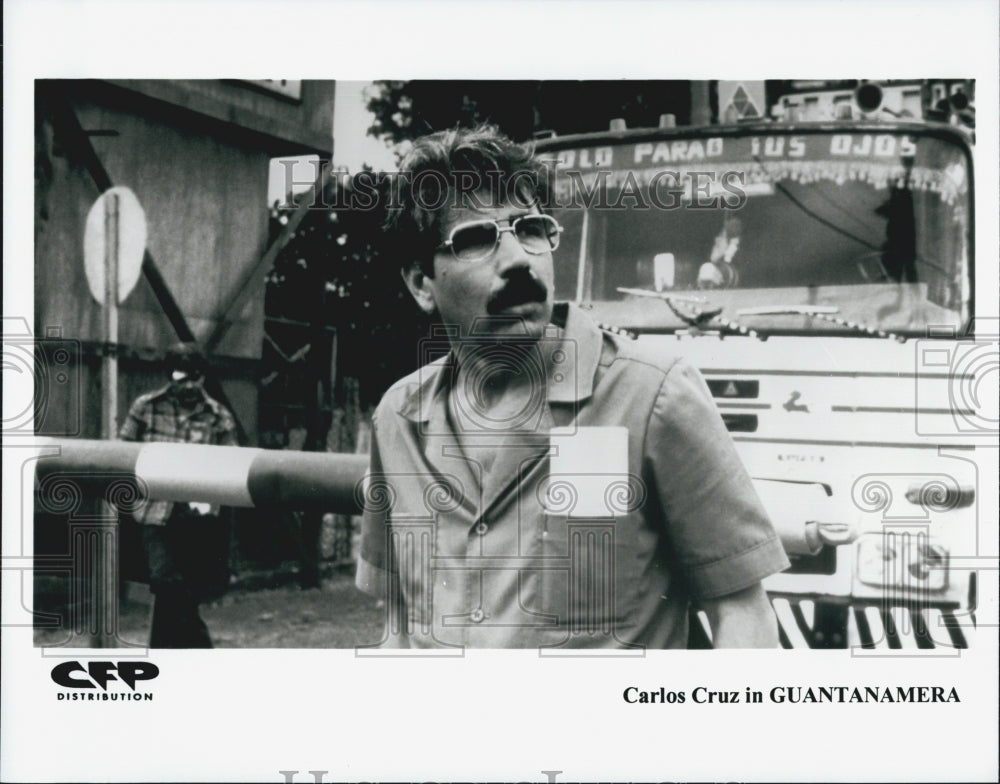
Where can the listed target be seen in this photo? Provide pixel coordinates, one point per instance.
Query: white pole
(110, 364)
(581, 264)
(104, 589)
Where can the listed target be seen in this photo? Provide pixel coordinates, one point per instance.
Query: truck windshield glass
(871, 226)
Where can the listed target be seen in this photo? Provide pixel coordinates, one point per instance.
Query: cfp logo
(97, 674)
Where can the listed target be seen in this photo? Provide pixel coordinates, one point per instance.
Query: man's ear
(421, 286)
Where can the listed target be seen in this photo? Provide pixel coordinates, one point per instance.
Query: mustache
(519, 289)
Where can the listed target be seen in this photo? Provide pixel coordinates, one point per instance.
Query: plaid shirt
(157, 416)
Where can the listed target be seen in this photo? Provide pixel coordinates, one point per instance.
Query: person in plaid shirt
(186, 544)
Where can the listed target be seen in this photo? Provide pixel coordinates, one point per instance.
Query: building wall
(299, 120)
(202, 180)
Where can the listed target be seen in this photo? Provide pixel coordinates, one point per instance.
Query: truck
(820, 274)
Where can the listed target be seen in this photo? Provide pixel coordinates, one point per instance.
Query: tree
(405, 110)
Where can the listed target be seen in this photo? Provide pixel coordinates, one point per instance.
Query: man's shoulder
(640, 362)
(677, 387)
(147, 399)
(641, 358)
(408, 390)
(221, 413)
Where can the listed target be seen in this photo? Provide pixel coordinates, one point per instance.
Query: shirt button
(481, 529)
(477, 615)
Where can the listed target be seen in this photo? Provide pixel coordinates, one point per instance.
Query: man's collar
(574, 341)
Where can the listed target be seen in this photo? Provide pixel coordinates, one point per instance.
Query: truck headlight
(902, 560)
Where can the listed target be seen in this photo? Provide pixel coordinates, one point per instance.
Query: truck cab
(820, 275)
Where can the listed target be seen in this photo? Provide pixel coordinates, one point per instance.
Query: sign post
(114, 243)
(109, 365)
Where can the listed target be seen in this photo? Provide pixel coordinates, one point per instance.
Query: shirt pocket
(582, 574)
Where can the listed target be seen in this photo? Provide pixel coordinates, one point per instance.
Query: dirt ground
(335, 615)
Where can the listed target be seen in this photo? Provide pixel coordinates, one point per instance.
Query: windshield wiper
(782, 310)
(664, 295)
(696, 319)
(824, 312)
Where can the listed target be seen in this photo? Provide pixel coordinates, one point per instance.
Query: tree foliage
(333, 274)
(405, 110)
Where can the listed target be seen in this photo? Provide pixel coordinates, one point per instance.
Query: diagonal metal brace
(77, 143)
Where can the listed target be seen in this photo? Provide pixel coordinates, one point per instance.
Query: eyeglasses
(476, 240)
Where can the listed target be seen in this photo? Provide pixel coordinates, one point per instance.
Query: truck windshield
(871, 226)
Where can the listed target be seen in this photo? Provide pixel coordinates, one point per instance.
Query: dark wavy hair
(463, 167)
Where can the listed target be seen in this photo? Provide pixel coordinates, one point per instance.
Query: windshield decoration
(874, 225)
(595, 178)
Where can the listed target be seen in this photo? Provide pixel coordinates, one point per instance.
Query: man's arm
(134, 425)
(376, 568)
(742, 620)
(721, 537)
(225, 428)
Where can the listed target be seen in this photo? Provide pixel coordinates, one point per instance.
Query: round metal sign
(130, 219)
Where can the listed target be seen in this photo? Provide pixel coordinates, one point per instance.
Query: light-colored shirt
(479, 548)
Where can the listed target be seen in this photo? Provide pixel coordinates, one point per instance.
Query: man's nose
(510, 254)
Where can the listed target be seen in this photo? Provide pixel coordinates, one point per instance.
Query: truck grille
(803, 623)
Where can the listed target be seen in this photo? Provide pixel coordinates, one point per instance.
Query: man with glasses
(186, 544)
(491, 517)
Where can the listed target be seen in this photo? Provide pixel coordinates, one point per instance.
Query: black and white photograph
(596, 411)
